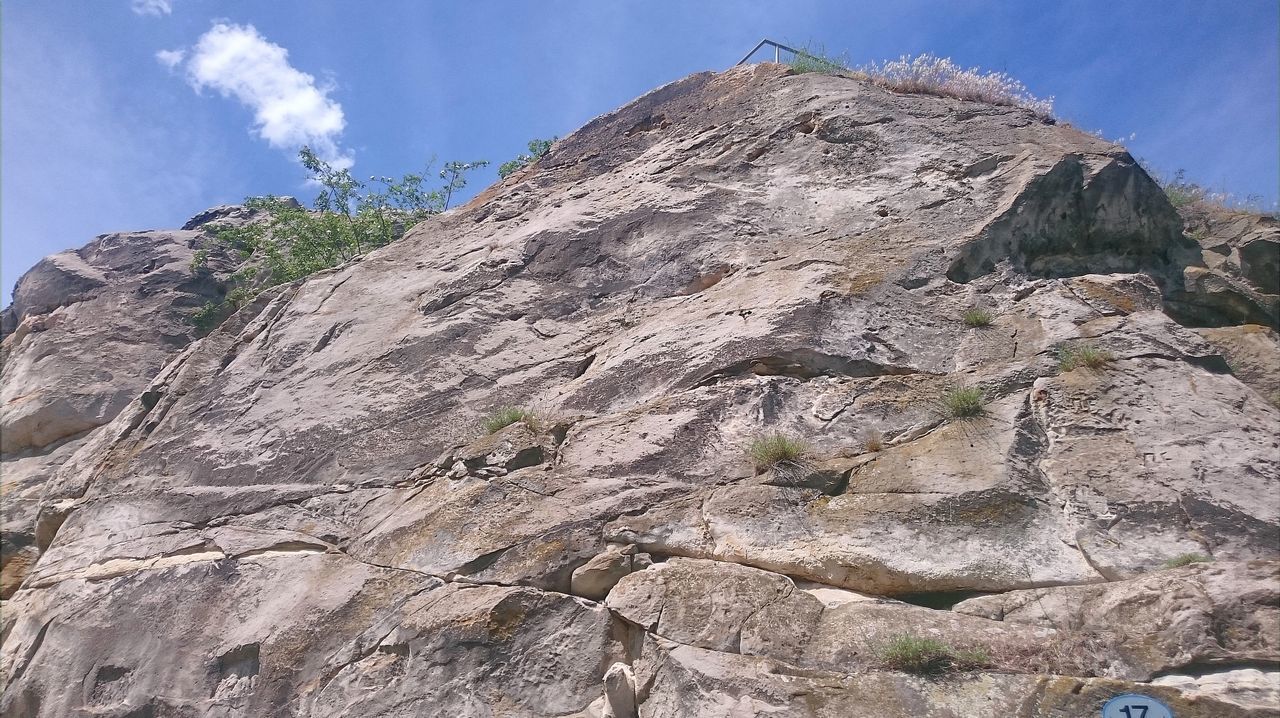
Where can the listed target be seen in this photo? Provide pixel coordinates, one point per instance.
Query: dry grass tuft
(976, 318)
(928, 74)
(926, 656)
(777, 451)
(508, 415)
(875, 442)
(1083, 355)
(1186, 559)
(963, 402)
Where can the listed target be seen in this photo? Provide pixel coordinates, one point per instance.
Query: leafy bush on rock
(537, 148)
(346, 220)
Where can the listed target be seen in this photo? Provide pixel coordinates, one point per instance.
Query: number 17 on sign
(1133, 705)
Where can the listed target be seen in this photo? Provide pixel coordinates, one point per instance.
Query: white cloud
(151, 7)
(290, 108)
(171, 58)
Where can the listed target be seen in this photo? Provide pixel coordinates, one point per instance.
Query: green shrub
(1186, 559)
(209, 316)
(926, 656)
(199, 260)
(963, 402)
(537, 148)
(975, 318)
(1083, 355)
(813, 58)
(346, 220)
(777, 451)
(508, 415)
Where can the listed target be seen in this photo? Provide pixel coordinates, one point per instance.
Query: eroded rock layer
(300, 514)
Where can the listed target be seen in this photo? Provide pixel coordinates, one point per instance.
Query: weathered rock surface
(1251, 351)
(87, 331)
(1238, 281)
(302, 518)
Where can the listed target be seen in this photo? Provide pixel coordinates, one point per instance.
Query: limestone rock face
(299, 514)
(87, 331)
(1238, 280)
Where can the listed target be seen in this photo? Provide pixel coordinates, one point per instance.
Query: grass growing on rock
(927, 656)
(976, 318)
(508, 415)
(774, 451)
(963, 402)
(875, 442)
(930, 75)
(1083, 355)
(814, 58)
(1186, 559)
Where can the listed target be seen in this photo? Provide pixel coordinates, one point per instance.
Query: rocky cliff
(300, 514)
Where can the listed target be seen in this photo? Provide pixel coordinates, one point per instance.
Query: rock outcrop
(300, 514)
(1238, 280)
(88, 329)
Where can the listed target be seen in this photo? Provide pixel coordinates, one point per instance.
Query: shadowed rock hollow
(299, 514)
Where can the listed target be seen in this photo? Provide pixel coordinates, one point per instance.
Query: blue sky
(101, 134)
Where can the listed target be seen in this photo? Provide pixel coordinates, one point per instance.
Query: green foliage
(199, 260)
(1083, 355)
(976, 318)
(1186, 559)
(508, 415)
(926, 656)
(963, 402)
(208, 316)
(537, 148)
(347, 220)
(777, 451)
(813, 58)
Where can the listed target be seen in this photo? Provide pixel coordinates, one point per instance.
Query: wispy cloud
(290, 108)
(151, 7)
(171, 58)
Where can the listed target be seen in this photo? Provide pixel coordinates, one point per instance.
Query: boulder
(595, 578)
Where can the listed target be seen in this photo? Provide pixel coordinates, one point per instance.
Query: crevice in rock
(1213, 363)
(803, 364)
(1210, 666)
(584, 365)
(329, 335)
(942, 600)
(21, 666)
(331, 292)
(483, 562)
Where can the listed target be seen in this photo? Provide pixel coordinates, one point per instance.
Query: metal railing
(777, 46)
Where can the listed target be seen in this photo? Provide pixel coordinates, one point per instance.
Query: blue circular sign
(1134, 705)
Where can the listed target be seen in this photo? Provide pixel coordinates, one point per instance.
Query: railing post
(776, 48)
